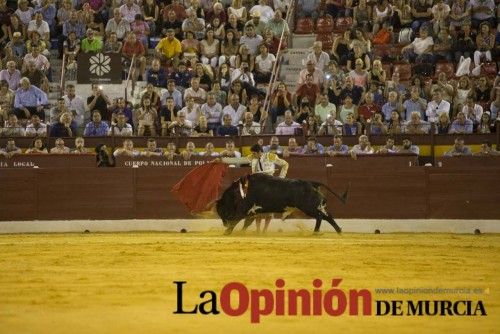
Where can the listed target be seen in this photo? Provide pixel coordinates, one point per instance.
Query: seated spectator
(205, 74)
(209, 49)
(377, 126)
(311, 126)
(230, 150)
(80, 147)
(416, 125)
(359, 74)
(169, 49)
(112, 44)
(312, 147)
(264, 64)
(117, 25)
(227, 128)
(338, 148)
(324, 109)
(408, 147)
(37, 147)
(229, 49)
(292, 149)
(141, 30)
(443, 46)
(202, 129)
(29, 100)
(181, 126)
(351, 127)
(377, 75)
(192, 110)
(389, 147)
(483, 90)
(347, 108)
(11, 75)
(171, 151)
(121, 128)
(36, 128)
(168, 114)
(472, 110)
(318, 56)
(157, 76)
(198, 94)
(122, 106)
(181, 77)
(134, 47)
(421, 49)
(250, 39)
(278, 24)
(194, 24)
(212, 110)
(288, 126)
(459, 149)
(249, 126)
(281, 100)
(152, 150)
(99, 101)
(6, 101)
(317, 75)
(443, 124)
(486, 150)
(10, 149)
(76, 105)
(414, 103)
(190, 151)
(363, 147)
(436, 106)
(303, 112)
(331, 126)
(59, 147)
(127, 150)
(66, 127)
(461, 125)
(393, 104)
(395, 124)
(274, 146)
(485, 42)
(91, 43)
(40, 26)
(217, 11)
(72, 45)
(349, 89)
(97, 127)
(36, 76)
(56, 111)
(235, 109)
(367, 109)
(308, 89)
(209, 151)
(265, 11)
(147, 118)
(12, 127)
(395, 85)
(486, 125)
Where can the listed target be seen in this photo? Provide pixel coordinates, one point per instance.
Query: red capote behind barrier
(200, 186)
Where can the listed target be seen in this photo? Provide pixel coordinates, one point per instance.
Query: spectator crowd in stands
(207, 65)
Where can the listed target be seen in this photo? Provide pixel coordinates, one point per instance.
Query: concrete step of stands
(295, 56)
(303, 41)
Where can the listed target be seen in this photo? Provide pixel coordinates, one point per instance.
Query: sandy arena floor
(122, 282)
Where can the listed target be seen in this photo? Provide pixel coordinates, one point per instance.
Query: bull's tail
(342, 198)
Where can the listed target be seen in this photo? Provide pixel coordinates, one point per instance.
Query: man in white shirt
(472, 110)
(266, 12)
(324, 108)
(420, 49)
(363, 147)
(251, 39)
(321, 58)
(317, 75)
(121, 128)
(234, 109)
(288, 126)
(192, 111)
(36, 128)
(40, 26)
(437, 106)
(76, 105)
(243, 74)
(196, 92)
(129, 9)
(250, 127)
(264, 63)
(212, 111)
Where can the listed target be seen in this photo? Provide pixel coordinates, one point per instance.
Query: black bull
(260, 193)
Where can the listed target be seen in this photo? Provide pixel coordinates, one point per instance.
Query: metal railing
(132, 64)
(279, 57)
(63, 74)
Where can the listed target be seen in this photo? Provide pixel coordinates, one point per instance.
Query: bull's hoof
(339, 231)
(228, 232)
(317, 234)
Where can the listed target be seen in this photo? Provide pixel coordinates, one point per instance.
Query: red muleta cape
(200, 186)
